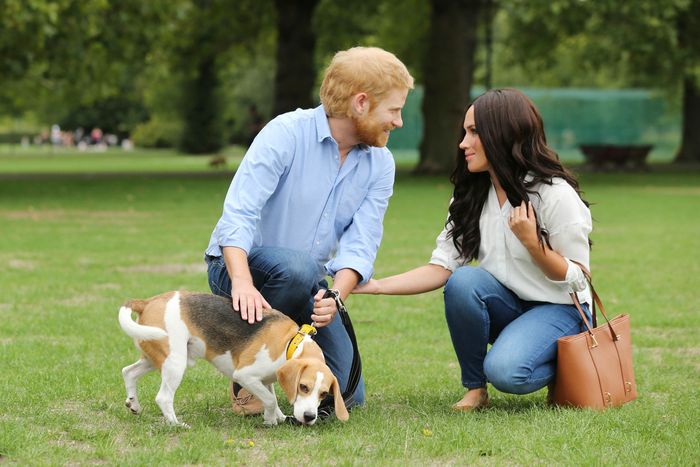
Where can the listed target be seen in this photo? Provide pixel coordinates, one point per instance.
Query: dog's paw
(177, 424)
(133, 405)
(270, 421)
(280, 416)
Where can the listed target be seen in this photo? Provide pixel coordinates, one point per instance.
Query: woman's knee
(466, 280)
(506, 374)
(461, 291)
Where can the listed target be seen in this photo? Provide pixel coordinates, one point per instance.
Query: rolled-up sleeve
(358, 246)
(445, 253)
(255, 181)
(571, 225)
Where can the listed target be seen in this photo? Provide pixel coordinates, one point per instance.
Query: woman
(519, 213)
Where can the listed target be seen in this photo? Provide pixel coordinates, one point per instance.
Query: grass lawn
(46, 159)
(73, 249)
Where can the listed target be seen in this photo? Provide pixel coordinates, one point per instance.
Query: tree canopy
(196, 67)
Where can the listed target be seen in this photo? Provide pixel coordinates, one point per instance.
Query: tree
(296, 41)
(201, 38)
(62, 54)
(688, 39)
(651, 42)
(447, 78)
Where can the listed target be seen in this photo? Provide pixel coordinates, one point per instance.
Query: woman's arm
(522, 223)
(419, 280)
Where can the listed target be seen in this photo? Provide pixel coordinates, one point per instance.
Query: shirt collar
(323, 130)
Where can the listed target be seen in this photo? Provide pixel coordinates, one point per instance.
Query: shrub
(157, 133)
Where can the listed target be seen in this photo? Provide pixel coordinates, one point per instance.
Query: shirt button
(318, 243)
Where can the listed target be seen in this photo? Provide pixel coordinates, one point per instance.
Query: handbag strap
(596, 302)
(589, 280)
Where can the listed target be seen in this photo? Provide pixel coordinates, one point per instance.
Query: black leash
(356, 367)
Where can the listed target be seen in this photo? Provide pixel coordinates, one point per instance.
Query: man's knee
(217, 275)
(301, 272)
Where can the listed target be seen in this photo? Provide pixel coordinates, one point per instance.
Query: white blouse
(562, 213)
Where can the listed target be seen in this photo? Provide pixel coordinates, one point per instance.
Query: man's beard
(370, 131)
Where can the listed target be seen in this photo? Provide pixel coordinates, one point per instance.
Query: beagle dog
(176, 328)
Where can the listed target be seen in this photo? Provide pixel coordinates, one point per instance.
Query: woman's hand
(523, 224)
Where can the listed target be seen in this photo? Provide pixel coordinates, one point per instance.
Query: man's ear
(288, 376)
(341, 412)
(360, 103)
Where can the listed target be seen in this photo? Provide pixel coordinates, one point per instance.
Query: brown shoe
(243, 402)
(472, 401)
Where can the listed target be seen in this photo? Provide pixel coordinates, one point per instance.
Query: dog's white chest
(262, 369)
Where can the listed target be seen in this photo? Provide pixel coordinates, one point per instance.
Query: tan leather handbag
(594, 368)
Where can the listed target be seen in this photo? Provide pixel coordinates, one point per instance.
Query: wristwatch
(335, 295)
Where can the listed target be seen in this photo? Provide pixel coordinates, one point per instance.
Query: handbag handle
(596, 301)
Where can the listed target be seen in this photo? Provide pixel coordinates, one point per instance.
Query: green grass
(18, 160)
(46, 159)
(73, 249)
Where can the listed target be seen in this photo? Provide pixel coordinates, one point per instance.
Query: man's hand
(247, 300)
(324, 309)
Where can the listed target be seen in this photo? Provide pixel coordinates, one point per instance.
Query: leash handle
(356, 367)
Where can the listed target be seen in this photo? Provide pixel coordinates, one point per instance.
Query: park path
(108, 175)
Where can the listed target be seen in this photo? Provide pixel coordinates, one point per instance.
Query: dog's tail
(137, 305)
(136, 330)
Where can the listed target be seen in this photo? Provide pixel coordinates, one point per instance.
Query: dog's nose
(309, 417)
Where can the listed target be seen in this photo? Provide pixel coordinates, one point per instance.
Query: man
(308, 201)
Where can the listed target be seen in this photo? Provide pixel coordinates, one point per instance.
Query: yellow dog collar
(306, 330)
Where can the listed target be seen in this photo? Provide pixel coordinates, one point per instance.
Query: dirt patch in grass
(667, 334)
(107, 286)
(22, 264)
(70, 214)
(79, 300)
(174, 268)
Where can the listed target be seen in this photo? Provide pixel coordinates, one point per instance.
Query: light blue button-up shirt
(291, 191)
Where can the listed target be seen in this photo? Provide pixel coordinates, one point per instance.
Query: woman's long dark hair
(512, 134)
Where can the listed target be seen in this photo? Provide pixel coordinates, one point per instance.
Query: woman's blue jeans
(480, 310)
(288, 280)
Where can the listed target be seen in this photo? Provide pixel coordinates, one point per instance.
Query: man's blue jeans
(288, 280)
(480, 310)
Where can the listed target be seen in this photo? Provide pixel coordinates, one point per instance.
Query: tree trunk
(688, 33)
(202, 132)
(448, 71)
(296, 41)
(690, 137)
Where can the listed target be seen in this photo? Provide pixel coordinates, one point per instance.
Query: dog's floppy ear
(341, 412)
(288, 376)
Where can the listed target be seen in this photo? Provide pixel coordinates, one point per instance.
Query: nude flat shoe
(464, 406)
(243, 402)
